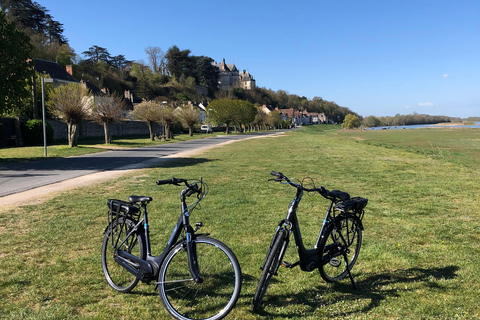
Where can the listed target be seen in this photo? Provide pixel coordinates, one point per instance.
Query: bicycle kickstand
(349, 273)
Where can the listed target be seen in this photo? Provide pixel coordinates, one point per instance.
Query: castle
(229, 77)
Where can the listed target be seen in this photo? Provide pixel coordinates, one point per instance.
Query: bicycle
(197, 277)
(339, 239)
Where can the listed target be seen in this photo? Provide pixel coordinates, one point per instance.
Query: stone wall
(89, 129)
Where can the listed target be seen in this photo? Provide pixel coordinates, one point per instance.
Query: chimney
(69, 69)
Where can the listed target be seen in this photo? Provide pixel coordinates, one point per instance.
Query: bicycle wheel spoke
(214, 297)
(118, 277)
(342, 246)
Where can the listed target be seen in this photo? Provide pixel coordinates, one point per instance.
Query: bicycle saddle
(134, 199)
(340, 195)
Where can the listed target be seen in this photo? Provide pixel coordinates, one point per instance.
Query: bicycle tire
(333, 244)
(213, 299)
(118, 277)
(272, 263)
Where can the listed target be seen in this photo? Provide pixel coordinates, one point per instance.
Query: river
(438, 125)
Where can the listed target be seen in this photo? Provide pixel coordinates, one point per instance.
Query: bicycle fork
(192, 256)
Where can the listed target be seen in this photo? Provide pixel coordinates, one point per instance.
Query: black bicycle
(338, 244)
(197, 277)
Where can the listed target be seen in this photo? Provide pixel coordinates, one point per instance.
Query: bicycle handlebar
(172, 180)
(192, 188)
(330, 195)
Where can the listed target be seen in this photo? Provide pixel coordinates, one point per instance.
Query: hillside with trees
(175, 75)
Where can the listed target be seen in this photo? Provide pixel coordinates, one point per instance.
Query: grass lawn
(421, 243)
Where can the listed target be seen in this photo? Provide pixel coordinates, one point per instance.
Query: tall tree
(96, 54)
(31, 17)
(178, 62)
(15, 71)
(156, 57)
(70, 103)
(206, 74)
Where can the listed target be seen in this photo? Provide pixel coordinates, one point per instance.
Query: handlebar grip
(273, 173)
(322, 191)
(166, 181)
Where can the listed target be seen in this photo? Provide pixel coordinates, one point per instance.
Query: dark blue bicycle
(198, 277)
(337, 246)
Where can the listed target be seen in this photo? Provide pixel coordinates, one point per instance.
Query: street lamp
(163, 123)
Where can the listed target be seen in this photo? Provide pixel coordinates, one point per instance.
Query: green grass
(421, 243)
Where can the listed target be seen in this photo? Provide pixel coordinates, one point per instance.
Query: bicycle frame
(147, 270)
(309, 258)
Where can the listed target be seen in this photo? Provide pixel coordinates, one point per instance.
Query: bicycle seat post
(146, 227)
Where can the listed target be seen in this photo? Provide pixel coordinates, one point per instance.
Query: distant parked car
(206, 128)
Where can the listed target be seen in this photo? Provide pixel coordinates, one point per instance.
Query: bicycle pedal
(286, 264)
(334, 262)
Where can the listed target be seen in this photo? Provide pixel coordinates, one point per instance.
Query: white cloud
(445, 75)
(425, 104)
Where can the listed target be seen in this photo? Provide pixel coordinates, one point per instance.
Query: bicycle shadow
(374, 289)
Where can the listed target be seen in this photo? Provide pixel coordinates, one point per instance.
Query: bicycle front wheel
(341, 244)
(212, 299)
(272, 263)
(117, 276)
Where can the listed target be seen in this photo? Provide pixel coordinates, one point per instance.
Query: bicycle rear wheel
(216, 296)
(341, 240)
(272, 263)
(117, 276)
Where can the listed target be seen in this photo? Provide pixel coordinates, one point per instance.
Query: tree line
(404, 120)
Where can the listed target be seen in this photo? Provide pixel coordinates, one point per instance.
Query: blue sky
(375, 57)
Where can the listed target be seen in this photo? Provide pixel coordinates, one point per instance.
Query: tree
(46, 34)
(71, 104)
(223, 111)
(96, 54)
(245, 112)
(351, 121)
(178, 62)
(156, 57)
(274, 119)
(189, 116)
(372, 121)
(15, 71)
(149, 112)
(143, 75)
(169, 118)
(108, 109)
(260, 119)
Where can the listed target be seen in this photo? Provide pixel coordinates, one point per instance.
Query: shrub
(32, 132)
(351, 121)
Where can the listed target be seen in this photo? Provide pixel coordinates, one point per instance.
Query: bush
(351, 121)
(32, 132)
(2, 136)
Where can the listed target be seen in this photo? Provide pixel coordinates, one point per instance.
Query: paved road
(19, 177)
